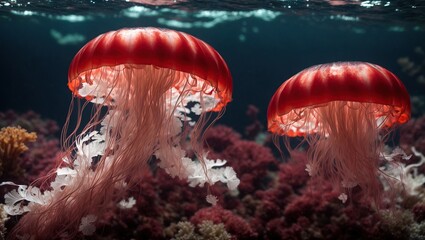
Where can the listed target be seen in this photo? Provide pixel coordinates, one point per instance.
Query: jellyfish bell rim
(158, 47)
(314, 86)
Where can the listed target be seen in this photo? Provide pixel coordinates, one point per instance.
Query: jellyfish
(152, 92)
(344, 111)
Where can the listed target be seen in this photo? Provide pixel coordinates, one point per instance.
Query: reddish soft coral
(219, 137)
(277, 200)
(234, 224)
(413, 134)
(179, 201)
(294, 172)
(252, 130)
(419, 212)
(250, 160)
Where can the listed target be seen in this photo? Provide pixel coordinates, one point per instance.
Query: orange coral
(12, 143)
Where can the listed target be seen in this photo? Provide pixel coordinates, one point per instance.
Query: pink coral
(250, 160)
(294, 172)
(219, 137)
(413, 134)
(419, 212)
(277, 200)
(255, 128)
(234, 224)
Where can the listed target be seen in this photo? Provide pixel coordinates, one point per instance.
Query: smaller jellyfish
(344, 111)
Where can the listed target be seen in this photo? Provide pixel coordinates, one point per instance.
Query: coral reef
(12, 144)
(276, 199)
(43, 151)
(234, 224)
(255, 127)
(413, 134)
(38, 160)
(401, 225)
(3, 219)
(282, 201)
(250, 160)
(204, 231)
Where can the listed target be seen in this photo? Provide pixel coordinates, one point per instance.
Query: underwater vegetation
(275, 200)
(20, 132)
(12, 144)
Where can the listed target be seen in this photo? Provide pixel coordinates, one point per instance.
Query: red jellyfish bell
(147, 86)
(341, 109)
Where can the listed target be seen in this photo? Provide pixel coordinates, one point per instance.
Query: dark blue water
(263, 42)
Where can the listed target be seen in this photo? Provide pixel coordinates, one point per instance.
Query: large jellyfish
(344, 111)
(151, 89)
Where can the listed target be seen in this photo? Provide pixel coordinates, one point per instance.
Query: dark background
(34, 66)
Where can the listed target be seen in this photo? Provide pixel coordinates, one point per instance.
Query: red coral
(413, 134)
(278, 229)
(294, 173)
(255, 128)
(149, 228)
(419, 212)
(250, 160)
(301, 206)
(219, 137)
(234, 224)
(267, 210)
(276, 200)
